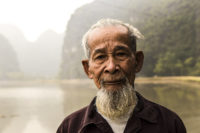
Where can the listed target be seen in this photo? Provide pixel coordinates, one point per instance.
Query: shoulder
(77, 114)
(153, 107)
(73, 121)
(163, 115)
(166, 113)
(170, 118)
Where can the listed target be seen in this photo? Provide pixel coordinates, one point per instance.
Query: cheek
(129, 66)
(129, 70)
(96, 71)
(94, 75)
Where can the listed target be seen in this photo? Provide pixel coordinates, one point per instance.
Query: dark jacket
(148, 117)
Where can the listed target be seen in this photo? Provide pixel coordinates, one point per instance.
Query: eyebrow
(120, 48)
(100, 50)
(103, 50)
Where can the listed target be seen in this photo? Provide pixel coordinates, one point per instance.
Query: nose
(111, 66)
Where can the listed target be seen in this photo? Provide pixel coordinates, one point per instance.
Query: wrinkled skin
(112, 60)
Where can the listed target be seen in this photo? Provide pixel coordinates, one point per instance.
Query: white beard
(116, 104)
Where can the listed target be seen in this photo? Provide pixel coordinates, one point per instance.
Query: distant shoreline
(170, 79)
(139, 80)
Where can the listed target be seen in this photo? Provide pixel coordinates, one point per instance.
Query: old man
(112, 63)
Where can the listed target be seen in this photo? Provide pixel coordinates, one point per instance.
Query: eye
(121, 55)
(100, 58)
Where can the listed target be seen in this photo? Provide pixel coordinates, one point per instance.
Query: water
(30, 109)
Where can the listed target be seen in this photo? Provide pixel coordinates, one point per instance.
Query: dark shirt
(148, 117)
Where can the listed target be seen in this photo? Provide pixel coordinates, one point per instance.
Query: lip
(114, 82)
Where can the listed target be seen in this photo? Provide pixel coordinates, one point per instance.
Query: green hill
(171, 30)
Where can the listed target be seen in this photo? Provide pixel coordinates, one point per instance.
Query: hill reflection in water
(42, 108)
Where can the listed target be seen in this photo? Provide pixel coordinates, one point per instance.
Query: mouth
(114, 82)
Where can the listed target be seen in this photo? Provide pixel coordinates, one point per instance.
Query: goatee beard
(116, 104)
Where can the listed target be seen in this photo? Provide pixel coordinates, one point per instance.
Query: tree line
(171, 29)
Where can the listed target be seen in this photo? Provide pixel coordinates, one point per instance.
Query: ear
(85, 64)
(139, 61)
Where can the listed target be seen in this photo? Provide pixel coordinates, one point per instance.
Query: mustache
(114, 79)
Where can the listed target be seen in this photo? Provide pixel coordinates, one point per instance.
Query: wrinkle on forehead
(108, 47)
(108, 34)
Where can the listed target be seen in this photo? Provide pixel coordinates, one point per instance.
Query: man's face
(111, 59)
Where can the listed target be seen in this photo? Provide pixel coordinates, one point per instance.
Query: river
(41, 108)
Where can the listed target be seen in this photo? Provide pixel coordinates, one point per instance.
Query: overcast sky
(35, 16)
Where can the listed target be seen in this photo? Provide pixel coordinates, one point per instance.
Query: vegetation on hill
(172, 44)
(171, 29)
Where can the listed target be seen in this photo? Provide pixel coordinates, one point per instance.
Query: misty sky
(35, 16)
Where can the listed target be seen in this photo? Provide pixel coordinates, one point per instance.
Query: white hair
(133, 33)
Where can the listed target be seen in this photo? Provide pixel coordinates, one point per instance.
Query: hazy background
(41, 39)
(41, 76)
(32, 35)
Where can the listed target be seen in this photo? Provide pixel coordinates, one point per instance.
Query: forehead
(107, 34)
